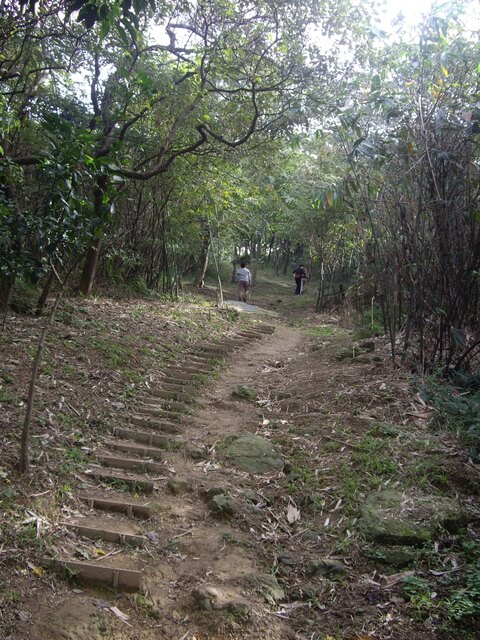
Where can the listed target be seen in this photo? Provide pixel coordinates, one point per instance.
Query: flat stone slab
(251, 453)
(118, 506)
(161, 425)
(244, 307)
(136, 484)
(146, 437)
(127, 579)
(135, 464)
(137, 449)
(108, 535)
(395, 518)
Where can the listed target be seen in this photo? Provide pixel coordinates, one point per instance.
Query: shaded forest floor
(286, 556)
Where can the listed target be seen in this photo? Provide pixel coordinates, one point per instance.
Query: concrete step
(108, 535)
(137, 449)
(146, 437)
(131, 509)
(187, 368)
(204, 358)
(175, 396)
(184, 379)
(180, 378)
(251, 334)
(177, 388)
(145, 421)
(210, 348)
(126, 579)
(130, 464)
(259, 328)
(138, 484)
(186, 393)
(167, 407)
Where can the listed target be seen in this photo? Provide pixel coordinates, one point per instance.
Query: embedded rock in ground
(223, 505)
(196, 453)
(305, 593)
(346, 353)
(268, 586)
(212, 598)
(367, 345)
(397, 557)
(244, 393)
(327, 567)
(176, 487)
(394, 518)
(220, 501)
(251, 453)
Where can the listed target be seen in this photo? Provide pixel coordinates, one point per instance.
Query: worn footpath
(269, 483)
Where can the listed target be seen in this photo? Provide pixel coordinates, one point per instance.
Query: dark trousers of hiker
(298, 283)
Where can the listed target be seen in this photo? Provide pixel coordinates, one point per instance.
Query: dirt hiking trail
(236, 499)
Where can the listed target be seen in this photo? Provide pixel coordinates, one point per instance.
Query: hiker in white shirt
(244, 279)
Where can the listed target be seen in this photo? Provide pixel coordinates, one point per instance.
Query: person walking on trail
(244, 279)
(301, 276)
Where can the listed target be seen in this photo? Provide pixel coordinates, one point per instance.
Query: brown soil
(328, 418)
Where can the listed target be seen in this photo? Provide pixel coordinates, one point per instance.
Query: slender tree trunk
(44, 295)
(90, 267)
(93, 253)
(6, 292)
(24, 462)
(203, 263)
(287, 258)
(256, 254)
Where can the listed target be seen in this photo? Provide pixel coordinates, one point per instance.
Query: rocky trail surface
(265, 486)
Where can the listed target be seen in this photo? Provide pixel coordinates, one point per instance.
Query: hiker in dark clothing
(300, 276)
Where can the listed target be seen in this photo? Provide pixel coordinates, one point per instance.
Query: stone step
(250, 334)
(262, 328)
(126, 579)
(200, 357)
(167, 407)
(138, 449)
(105, 534)
(177, 388)
(231, 343)
(180, 378)
(131, 509)
(183, 380)
(212, 348)
(145, 437)
(143, 420)
(130, 464)
(134, 483)
(176, 396)
(159, 418)
(206, 369)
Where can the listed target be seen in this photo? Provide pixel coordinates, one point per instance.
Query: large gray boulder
(251, 453)
(395, 518)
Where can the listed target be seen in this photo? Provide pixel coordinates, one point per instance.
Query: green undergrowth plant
(457, 408)
(452, 597)
(327, 331)
(369, 323)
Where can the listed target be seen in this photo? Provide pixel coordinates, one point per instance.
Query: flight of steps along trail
(124, 477)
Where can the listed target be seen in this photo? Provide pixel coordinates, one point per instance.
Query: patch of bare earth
(344, 428)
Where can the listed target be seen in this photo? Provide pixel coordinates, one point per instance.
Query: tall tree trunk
(90, 267)
(287, 258)
(93, 253)
(256, 254)
(44, 295)
(203, 262)
(6, 291)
